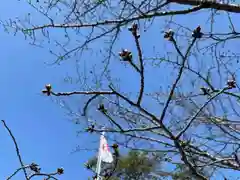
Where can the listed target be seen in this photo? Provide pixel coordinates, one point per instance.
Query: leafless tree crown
(163, 79)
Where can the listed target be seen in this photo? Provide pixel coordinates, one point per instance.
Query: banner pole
(99, 161)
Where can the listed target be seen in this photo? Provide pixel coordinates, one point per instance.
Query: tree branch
(17, 149)
(81, 92)
(184, 59)
(140, 58)
(17, 170)
(119, 22)
(234, 8)
(200, 109)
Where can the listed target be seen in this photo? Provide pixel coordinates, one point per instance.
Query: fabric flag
(105, 154)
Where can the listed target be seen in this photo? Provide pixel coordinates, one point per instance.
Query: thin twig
(51, 175)
(81, 92)
(113, 121)
(184, 59)
(17, 149)
(194, 117)
(122, 22)
(17, 170)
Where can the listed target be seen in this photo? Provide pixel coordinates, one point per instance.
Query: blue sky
(43, 130)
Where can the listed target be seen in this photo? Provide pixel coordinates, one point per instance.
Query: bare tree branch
(222, 6)
(117, 22)
(17, 149)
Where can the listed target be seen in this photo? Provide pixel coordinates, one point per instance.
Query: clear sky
(43, 131)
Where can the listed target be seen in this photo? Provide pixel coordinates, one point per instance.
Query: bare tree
(183, 96)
